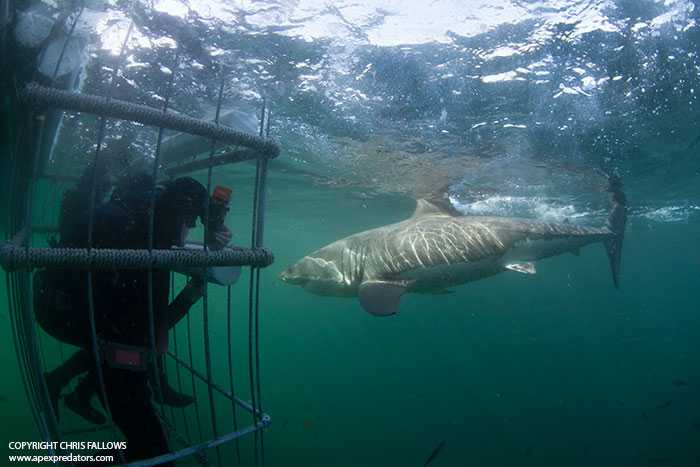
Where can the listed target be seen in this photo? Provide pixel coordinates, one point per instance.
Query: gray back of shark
(434, 250)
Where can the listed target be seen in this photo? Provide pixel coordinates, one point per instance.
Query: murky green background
(554, 369)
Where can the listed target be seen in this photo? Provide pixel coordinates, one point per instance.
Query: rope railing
(13, 257)
(37, 95)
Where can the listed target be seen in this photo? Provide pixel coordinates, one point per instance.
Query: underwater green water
(513, 108)
(553, 369)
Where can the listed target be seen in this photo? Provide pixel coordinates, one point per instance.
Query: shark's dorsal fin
(431, 208)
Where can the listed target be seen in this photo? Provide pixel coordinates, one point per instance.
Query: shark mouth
(288, 278)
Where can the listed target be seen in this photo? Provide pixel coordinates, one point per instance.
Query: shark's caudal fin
(616, 223)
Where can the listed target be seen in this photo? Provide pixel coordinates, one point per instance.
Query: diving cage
(41, 107)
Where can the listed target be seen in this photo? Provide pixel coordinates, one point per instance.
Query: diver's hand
(218, 239)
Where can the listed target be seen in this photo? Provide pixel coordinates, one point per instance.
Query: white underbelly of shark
(441, 277)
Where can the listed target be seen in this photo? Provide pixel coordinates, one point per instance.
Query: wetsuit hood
(179, 203)
(186, 197)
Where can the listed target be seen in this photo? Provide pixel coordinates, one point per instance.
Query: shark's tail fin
(616, 223)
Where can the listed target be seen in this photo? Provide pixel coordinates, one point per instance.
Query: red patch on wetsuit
(127, 357)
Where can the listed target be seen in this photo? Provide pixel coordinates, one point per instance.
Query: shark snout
(288, 276)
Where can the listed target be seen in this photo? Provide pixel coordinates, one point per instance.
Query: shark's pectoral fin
(381, 298)
(523, 267)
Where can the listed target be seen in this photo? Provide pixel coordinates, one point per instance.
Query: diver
(121, 303)
(62, 308)
(61, 302)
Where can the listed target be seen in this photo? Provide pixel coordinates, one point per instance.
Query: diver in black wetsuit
(61, 302)
(121, 309)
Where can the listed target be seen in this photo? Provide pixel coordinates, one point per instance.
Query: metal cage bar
(13, 257)
(229, 355)
(263, 420)
(228, 394)
(24, 258)
(39, 96)
(231, 157)
(205, 296)
(151, 234)
(96, 350)
(48, 418)
(213, 443)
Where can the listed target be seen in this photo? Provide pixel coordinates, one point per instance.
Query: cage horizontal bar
(200, 456)
(38, 96)
(247, 406)
(232, 157)
(13, 257)
(201, 446)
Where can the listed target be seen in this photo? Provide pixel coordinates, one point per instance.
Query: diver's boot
(59, 377)
(165, 394)
(171, 397)
(79, 400)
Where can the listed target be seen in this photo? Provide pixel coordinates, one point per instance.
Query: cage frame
(19, 258)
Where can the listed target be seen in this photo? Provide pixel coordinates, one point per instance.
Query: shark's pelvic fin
(523, 267)
(381, 298)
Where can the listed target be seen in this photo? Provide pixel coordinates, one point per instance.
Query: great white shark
(435, 249)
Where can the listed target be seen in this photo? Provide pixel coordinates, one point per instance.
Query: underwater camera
(218, 207)
(218, 210)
